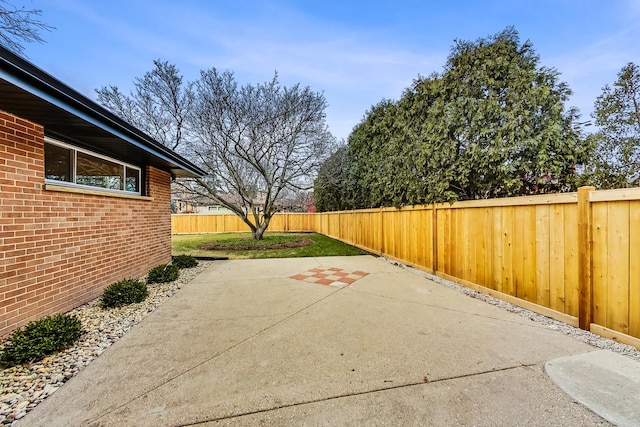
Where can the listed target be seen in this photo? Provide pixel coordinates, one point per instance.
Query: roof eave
(32, 79)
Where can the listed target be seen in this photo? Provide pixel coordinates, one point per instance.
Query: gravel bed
(556, 325)
(23, 387)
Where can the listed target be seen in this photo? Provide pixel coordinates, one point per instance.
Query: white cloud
(354, 69)
(355, 65)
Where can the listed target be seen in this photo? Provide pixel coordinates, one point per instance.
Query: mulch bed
(213, 246)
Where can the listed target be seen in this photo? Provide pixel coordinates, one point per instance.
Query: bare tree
(20, 25)
(158, 105)
(256, 142)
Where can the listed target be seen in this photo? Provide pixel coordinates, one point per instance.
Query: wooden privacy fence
(230, 223)
(573, 256)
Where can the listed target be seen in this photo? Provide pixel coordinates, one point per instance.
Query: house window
(68, 165)
(132, 179)
(58, 163)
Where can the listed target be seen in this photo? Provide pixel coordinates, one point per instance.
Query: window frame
(74, 163)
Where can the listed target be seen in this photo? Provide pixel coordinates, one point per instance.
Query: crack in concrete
(361, 393)
(217, 319)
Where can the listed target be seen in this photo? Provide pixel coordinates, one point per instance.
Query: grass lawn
(274, 245)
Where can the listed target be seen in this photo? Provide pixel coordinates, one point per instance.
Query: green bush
(128, 291)
(163, 273)
(184, 261)
(40, 338)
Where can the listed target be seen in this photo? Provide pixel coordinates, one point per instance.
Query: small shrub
(128, 291)
(40, 338)
(184, 261)
(163, 273)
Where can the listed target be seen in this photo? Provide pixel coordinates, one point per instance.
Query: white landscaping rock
(23, 387)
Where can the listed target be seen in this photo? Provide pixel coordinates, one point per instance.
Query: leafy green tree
(331, 185)
(499, 127)
(369, 154)
(430, 164)
(616, 160)
(493, 124)
(380, 166)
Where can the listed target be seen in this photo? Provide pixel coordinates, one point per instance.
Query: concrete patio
(322, 341)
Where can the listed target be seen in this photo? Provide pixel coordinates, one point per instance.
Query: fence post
(354, 228)
(585, 238)
(381, 232)
(434, 237)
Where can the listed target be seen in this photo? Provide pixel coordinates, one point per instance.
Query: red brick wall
(58, 249)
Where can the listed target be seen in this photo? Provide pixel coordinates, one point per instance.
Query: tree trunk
(259, 232)
(260, 228)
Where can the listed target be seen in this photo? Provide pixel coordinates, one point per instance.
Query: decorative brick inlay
(330, 276)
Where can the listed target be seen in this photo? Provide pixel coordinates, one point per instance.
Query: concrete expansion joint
(424, 381)
(257, 316)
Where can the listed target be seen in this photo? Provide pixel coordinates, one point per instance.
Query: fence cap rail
(542, 199)
(619, 194)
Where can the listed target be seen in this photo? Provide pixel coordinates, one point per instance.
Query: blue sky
(356, 52)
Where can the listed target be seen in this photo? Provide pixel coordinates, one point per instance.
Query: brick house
(84, 196)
